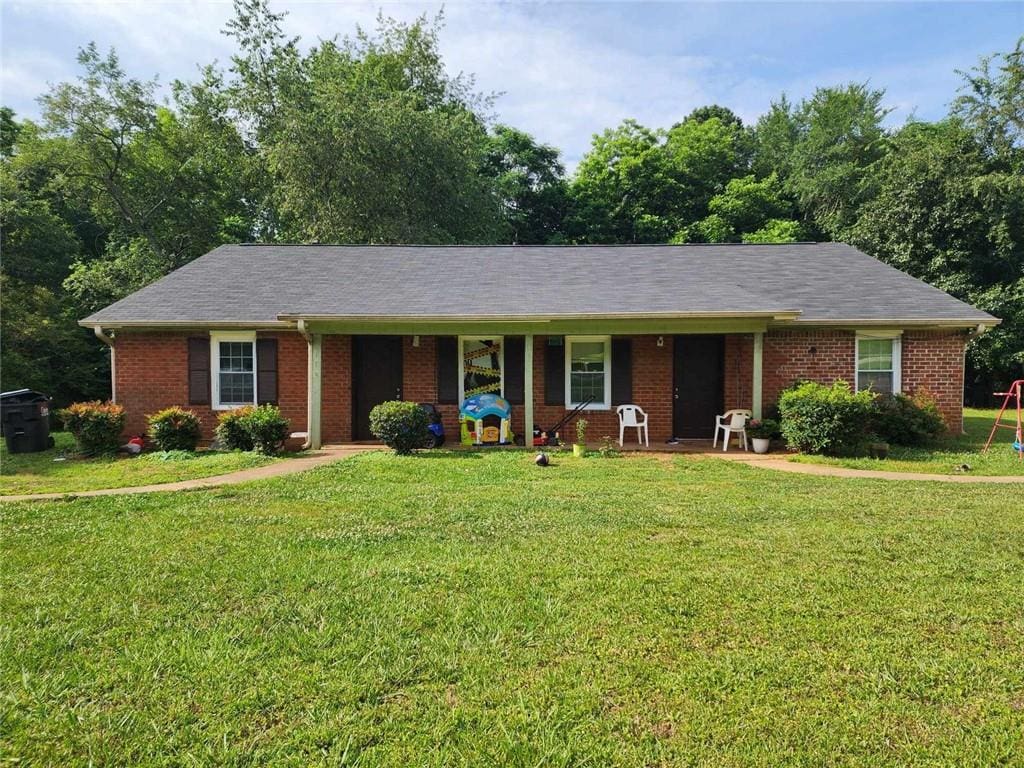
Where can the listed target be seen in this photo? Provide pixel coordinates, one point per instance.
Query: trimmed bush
(97, 426)
(231, 431)
(174, 429)
(907, 419)
(834, 421)
(401, 425)
(266, 428)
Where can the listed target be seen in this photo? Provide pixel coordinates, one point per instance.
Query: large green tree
(529, 180)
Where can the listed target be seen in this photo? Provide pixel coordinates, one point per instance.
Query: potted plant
(761, 432)
(580, 446)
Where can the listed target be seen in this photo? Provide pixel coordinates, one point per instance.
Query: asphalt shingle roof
(256, 283)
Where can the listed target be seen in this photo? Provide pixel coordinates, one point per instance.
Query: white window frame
(607, 341)
(216, 337)
(897, 357)
(500, 340)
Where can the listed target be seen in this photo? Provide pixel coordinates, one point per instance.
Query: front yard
(947, 456)
(473, 609)
(59, 471)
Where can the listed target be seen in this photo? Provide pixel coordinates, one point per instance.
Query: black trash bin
(25, 416)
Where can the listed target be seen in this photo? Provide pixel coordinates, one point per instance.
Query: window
(481, 366)
(588, 371)
(233, 357)
(878, 363)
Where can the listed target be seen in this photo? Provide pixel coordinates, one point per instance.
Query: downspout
(109, 341)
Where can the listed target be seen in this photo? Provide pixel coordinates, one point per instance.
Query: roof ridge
(529, 245)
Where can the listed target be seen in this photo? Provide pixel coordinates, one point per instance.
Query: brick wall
(739, 370)
(152, 373)
(335, 388)
(791, 356)
(934, 360)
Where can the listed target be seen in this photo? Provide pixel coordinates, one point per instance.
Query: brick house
(686, 332)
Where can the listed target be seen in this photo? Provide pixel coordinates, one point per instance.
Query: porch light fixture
(661, 341)
(415, 341)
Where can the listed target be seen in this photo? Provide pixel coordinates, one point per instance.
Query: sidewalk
(301, 463)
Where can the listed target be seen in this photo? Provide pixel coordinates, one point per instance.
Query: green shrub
(174, 429)
(830, 420)
(261, 428)
(267, 428)
(767, 429)
(907, 419)
(231, 431)
(97, 426)
(401, 425)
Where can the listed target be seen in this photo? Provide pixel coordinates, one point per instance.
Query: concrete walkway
(823, 470)
(301, 463)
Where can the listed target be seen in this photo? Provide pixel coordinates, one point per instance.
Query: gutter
(109, 341)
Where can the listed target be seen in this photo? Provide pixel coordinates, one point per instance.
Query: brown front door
(376, 378)
(698, 369)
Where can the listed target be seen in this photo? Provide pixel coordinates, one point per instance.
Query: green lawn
(40, 473)
(948, 454)
(474, 609)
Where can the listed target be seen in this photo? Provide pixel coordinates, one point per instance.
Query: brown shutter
(447, 365)
(515, 384)
(554, 371)
(266, 371)
(199, 370)
(622, 371)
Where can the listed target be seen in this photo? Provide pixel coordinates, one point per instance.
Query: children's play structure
(1015, 394)
(486, 419)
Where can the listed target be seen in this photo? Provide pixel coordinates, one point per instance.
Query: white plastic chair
(633, 416)
(730, 423)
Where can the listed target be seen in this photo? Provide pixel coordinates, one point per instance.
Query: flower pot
(761, 444)
(578, 449)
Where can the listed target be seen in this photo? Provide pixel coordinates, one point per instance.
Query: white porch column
(528, 392)
(314, 368)
(758, 375)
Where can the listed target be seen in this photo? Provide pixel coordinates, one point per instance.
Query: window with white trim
(878, 363)
(233, 358)
(588, 371)
(481, 366)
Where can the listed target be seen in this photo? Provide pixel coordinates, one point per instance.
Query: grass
(473, 609)
(944, 457)
(43, 473)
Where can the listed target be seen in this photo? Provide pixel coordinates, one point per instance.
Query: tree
(530, 183)
(839, 135)
(777, 231)
(940, 214)
(774, 137)
(621, 187)
(701, 158)
(102, 114)
(991, 102)
(381, 145)
(8, 131)
(744, 207)
(638, 185)
(724, 115)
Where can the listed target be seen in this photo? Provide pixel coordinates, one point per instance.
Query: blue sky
(566, 70)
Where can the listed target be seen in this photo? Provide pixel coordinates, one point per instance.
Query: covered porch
(681, 370)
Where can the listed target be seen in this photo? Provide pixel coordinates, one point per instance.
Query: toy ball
(541, 460)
